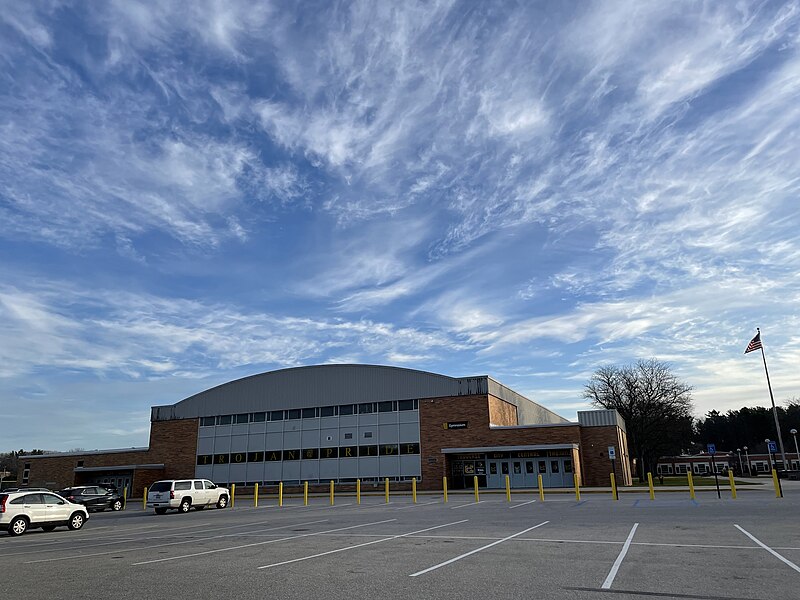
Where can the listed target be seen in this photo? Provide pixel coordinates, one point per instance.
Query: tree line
(657, 408)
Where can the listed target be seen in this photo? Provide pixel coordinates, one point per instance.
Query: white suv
(184, 494)
(20, 511)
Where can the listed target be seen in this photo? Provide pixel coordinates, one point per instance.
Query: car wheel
(161, 511)
(186, 504)
(18, 526)
(48, 528)
(116, 505)
(222, 502)
(76, 521)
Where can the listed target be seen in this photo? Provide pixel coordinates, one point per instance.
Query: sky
(195, 192)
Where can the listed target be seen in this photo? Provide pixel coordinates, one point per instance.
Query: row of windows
(308, 454)
(311, 413)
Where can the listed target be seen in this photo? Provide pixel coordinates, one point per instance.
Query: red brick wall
(475, 409)
(594, 449)
(502, 412)
(173, 443)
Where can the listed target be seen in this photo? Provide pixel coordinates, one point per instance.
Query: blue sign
(712, 449)
(773, 447)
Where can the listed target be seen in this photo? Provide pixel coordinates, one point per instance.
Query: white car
(20, 511)
(184, 494)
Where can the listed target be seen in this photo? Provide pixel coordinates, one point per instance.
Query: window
(276, 415)
(309, 413)
(366, 408)
(224, 419)
(348, 436)
(198, 485)
(367, 434)
(259, 417)
(208, 421)
(294, 413)
(327, 411)
(405, 405)
(52, 499)
(80, 463)
(385, 406)
(243, 418)
(346, 409)
(183, 485)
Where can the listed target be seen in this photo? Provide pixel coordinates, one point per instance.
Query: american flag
(754, 344)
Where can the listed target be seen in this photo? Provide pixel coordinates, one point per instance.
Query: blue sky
(195, 192)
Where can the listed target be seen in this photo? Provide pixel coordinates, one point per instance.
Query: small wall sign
(455, 425)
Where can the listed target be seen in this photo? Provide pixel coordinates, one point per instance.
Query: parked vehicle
(184, 494)
(20, 511)
(94, 497)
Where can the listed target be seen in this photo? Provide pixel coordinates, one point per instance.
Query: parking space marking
(467, 504)
(522, 504)
(780, 557)
(385, 539)
(293, 537)
(420, 504)
(615, 567)
(191, 541)
(471, 552)
(669, 595)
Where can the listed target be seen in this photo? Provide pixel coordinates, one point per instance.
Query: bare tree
(656, 406)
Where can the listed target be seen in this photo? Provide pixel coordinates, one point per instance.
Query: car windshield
(161, 486)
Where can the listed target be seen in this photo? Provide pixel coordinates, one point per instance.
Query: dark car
(94, 497)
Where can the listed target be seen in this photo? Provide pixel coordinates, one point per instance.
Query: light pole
(741, 469)
(796, 451)
(747, 457)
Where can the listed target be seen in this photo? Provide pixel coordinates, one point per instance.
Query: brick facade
(172, 443)
(481, 410)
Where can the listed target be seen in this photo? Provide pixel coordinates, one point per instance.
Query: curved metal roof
(321, 385)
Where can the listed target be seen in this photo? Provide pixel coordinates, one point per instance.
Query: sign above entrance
(455, 425)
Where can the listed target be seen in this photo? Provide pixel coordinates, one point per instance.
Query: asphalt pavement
(595, 548)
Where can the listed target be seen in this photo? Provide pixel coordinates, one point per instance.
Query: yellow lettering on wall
(348, 452)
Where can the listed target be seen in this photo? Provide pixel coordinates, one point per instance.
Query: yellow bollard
(650, 484)
(144, 499)
(233, 494)
(358, 491)
(475, 482)
(777, 484)
(124, 497)
(733, 484)
(508, 489)
(541, 489)
(280, 493)
(444, 488)
(255, 496)
(577, 487)
(386, 489)
(414, 490)
(614, 494)
(305, 493)
(331, 492)
(691, 484)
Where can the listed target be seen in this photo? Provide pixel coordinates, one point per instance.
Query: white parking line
(522, 504)
(386, 539)
(420, 504)
(190, 541)
(471, 552)
(615, 567)
(293, 537)
(466, 504)
(768, 549)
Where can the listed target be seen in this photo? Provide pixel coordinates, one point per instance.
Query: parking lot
(672, 547)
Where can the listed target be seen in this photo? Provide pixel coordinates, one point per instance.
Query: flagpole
(774, 410)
